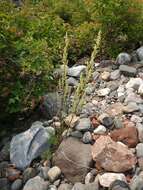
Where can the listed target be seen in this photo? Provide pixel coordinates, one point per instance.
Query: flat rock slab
(128, 71)
(29, 145)
(74, 159)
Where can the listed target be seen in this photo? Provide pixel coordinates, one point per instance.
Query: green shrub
(72, 12)
(32, 41)
(82, 40)
(121, 23)
(30, 45)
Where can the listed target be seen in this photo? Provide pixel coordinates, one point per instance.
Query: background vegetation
(32, 41)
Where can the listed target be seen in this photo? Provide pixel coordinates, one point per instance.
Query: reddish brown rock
(94, 121)
(128, 123)
(112, 156)
(126, 135)
(12, 174)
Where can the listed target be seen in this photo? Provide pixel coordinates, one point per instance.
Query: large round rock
(74, 159)
(52, 105)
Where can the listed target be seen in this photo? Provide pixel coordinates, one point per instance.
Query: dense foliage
(121, 23)
(32, 41)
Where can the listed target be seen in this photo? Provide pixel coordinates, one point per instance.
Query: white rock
(54, 173)
(134, 83)
(140, 53)
(103, 92)
(140, 132)
(96, 64)
(129, 91)
(52, 187)
(105, 75)
(121, 91)
(140, 91)
(76, 71)
(88, 178)
(106, 179)
(100, 130)
(139, 150)
(95, 102)
(136, 119)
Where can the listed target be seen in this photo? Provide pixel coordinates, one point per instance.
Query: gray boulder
(52, 105)
(123, 58)
(140, 53)
(36, 183)
(74, 159)
(28, 145)
(76, 71)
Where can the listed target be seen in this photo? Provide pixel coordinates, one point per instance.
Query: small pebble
(100, 130)
(87, 138)
(54, 173)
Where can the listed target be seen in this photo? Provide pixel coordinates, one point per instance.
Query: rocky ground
(102, 146)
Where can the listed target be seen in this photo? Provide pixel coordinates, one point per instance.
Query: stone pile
(102, 146)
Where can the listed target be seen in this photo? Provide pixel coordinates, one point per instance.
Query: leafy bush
(121, 23)
(30, 42)
(72, 12)
(82, 40)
